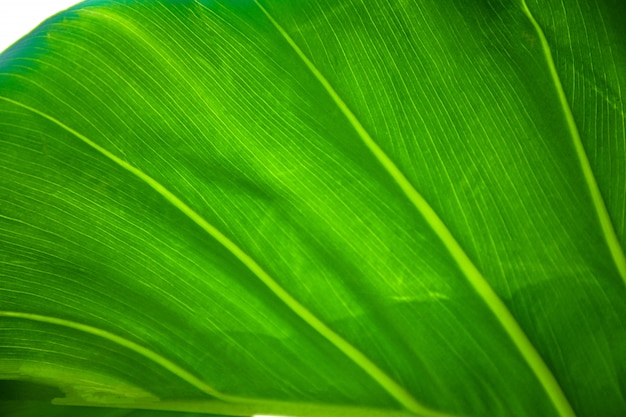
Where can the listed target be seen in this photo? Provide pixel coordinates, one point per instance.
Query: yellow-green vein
(474, 276)
(141, 350)
(236, 405)
(604, 218)
(384, 380)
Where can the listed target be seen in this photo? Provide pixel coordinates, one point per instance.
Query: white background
(18, 17)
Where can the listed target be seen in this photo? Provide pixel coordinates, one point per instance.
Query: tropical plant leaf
(330, 207)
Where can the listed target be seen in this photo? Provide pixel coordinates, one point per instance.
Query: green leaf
(317, 208)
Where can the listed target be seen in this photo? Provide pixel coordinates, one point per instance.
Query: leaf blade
(266, 159)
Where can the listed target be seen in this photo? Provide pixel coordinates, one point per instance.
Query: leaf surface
(318, 208)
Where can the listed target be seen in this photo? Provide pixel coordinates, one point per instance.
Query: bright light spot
(18, 17)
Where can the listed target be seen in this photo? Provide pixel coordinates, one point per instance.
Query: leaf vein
(474, 276)
(311, 319)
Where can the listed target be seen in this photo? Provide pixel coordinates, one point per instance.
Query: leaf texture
(318, 208)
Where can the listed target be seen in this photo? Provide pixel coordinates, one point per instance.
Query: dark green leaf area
(591, 320)
(30, 408)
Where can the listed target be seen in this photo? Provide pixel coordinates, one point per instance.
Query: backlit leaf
(331, 207)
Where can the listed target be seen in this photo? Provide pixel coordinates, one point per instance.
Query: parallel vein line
(474, 276)
(604, 218)
(384, 380)
(141, 350)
